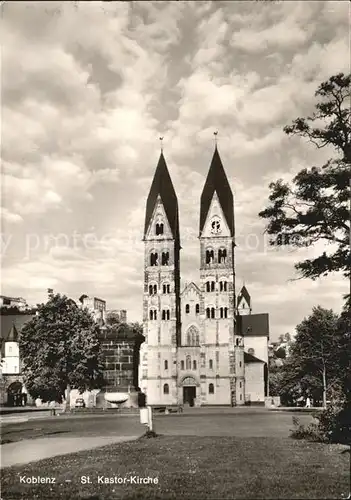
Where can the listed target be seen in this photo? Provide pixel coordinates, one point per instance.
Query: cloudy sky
(87, 90)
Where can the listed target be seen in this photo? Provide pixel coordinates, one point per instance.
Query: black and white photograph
(175, 305)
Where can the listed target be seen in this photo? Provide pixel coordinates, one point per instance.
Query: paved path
(32, 450)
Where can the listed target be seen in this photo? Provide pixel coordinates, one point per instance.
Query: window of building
(188, 362)
(209, 256)
(222, 286)
(182, 365)
(197, 309)
(194, 365)
(221, 312)
(213, 313)
(225, 312)
(211, 389)
(166, 364)
(251, 351)
(222, 255)
(208, 312)
(153, 259)
(165, 314)
(240, 385)
(159, 228)
(153, 314)
(10, 348)
(211, 364)
(165, 258)
(241, 397)
(193, 337)
(187, 308)
(166, 389)
(240, 363)
(152, 289)
(166, 288)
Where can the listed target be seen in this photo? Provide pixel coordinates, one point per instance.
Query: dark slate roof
(13, 334)
(217, 181)
(7, 320)
(249, 358)
(255, 325)
(244, 294)
(162, 186)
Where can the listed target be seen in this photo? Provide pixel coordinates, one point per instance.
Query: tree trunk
(324, 387)
(68, 398)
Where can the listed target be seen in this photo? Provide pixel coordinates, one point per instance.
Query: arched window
(213, 313)
(188, 362)
(166, 364)
(187, 308)
(208, 312)
(226, 312)
(194, 365)
(153, 314)
(209, 256)
(210, 388)
(165, 258)
(182, 365)
(153, 259)
(213, 285)
(240, 385)
(210, 286)
(222, 286)
(166, 288)
(165, 314)
(197, 309)
(151, 289)
(193, 337)
(237, 342)
(159, 228)
(222, 255)
(155, 289)
(210, 364)
(251, 351)
(166, 389)
(221, 312)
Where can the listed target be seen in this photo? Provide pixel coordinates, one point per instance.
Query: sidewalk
(32, 450)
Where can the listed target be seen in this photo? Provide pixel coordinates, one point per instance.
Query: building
(12, 389)
(120, 314)
(97, 307)
(18, 302)
(196, 348)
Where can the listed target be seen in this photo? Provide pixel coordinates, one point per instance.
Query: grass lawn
(191, 467)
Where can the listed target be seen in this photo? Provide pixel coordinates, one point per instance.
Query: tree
(314, 207)
(316, 354)
(59, 349)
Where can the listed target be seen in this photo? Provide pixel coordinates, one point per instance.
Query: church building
(203, 345)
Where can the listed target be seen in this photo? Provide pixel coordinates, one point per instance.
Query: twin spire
(216, 181)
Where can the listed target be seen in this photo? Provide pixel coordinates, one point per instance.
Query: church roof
(217, 182)
(162, 186)
(249, 358)
(253, 325)
(13, 334)
(244, 294)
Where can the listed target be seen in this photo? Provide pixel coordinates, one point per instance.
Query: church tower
(223, 350)
(161, 300)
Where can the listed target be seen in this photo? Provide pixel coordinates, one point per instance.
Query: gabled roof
(191, 285)
(162, 186)
(13, 334)
(217, 181)
(244, 294)
(249, 358)
(253, 325)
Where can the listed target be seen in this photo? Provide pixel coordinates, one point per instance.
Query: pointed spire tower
(217, 274)
(161, 303)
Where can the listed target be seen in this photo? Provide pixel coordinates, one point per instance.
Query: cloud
(88, 89)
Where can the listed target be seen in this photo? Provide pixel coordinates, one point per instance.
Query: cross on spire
(161, 141)
(215, 135)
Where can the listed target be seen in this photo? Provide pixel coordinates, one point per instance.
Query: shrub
(311, 432)
(335, 423)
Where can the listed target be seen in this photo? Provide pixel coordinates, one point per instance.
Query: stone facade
(193, 353)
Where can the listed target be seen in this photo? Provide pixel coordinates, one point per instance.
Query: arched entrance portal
(14, 394)
(189, 390)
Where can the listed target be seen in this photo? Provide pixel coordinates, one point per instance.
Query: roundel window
(216, 227)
